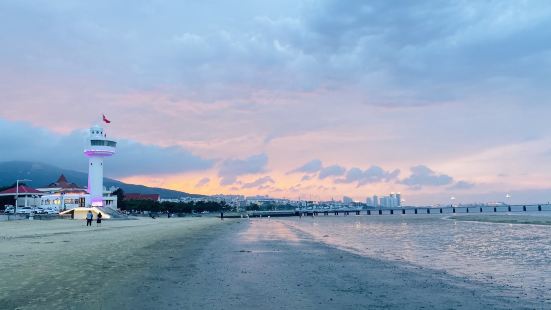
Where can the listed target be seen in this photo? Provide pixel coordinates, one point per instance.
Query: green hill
(43, 174)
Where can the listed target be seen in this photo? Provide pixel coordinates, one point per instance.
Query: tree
(121, 204)
(253, 207)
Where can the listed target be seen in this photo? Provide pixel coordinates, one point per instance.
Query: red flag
(106, 120)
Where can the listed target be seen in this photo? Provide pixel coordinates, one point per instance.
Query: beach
(194, 263)
(62, 264)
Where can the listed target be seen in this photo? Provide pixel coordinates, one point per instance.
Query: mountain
(43, 174)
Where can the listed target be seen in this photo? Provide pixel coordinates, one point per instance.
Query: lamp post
(62, 203)
(17, 193)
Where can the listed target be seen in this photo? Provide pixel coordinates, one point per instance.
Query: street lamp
(17, 193)
(62, 204)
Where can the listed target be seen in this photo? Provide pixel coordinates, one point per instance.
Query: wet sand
(204, 263)
(505, 219)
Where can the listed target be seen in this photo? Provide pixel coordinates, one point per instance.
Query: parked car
(24, 210)
(9, 209)
(39, 210)
(51, 211)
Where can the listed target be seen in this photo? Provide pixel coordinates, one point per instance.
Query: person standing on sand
(89, 218)
(222, 216)
(98, 221)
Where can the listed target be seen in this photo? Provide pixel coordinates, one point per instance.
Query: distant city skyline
(285, 98)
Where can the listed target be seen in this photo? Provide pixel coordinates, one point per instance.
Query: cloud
(266, 77)
(423, 176)
(261, 182)
(230, 169)
(378, 41)
(461, 185)
(325, 188)
(307, 177)
(331, 171)
(374, 174)
(375, 46)
(202, 182)
(312, 166)
(29, 143)
(134, 158)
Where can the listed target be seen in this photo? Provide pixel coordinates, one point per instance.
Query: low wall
(12, 217)
(36, 217)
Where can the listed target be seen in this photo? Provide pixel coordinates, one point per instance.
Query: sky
(294, 99)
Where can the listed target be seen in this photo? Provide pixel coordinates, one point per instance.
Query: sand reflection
(516, 256)
(268, 230)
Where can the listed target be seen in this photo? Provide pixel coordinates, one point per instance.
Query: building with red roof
(63, 186)
(26, 195)
(64, 195)
(23, 190)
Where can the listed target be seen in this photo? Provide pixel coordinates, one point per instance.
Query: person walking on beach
(98, 221)
(89, 218)
(222, 216)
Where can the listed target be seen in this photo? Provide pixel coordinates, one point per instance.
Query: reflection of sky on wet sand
(267, 230)
(517, 256)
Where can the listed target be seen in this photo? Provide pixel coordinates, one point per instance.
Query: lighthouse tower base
(106, 212)
(80, 213)
(95, 180)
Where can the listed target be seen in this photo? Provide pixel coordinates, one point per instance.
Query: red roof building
(63, 186)
(23, 191)
(136, 196)
(63, 183)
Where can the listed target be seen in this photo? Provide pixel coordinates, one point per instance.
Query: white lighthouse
(98, 147)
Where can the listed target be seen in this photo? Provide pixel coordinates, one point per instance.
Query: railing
(103, 143)
(428, 210)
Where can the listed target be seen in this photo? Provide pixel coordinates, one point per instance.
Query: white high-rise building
(347, 200)
(392, 200)
(369, 201)
(97, 149)
(386, 202)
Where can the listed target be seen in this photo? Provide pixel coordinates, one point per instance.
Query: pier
(429, 210)
(399, 211)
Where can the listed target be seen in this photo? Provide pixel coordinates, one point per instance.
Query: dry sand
(205, 263)
(62, 264)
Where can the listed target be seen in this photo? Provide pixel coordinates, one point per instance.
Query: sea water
(516, 257)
